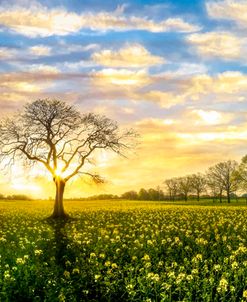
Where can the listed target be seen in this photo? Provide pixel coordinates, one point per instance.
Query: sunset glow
(175, 71)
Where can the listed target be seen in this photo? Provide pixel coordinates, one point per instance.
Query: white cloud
(211, 117)
(222, 45)
(134, 55)
(188, 69)
(43, 69)
(229, 10)
(126, 77)
(6, 53)
(40, 21)
(40, 50)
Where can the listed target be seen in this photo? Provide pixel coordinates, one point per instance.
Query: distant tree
(18, 197)
(61, 139)
(198, 184)
(143, 194)
(102, 197)
(172, 186)
(160, 193)
(184, 186)
(153, 194)
(224, 176)
(131, 195)
(214, 182)
(241, 173)
(214, 188)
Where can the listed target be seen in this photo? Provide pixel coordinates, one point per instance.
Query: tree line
(227, 178)
(15, 197)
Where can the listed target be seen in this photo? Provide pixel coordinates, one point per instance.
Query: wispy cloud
(40, 21)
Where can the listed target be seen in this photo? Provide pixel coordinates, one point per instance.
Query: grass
(123, 251)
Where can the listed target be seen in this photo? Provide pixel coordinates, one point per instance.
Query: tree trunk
(185, 197)
(228, 197)
(58, 211)
(198, 196)
(220, 196)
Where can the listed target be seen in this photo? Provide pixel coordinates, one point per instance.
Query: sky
(175, 71)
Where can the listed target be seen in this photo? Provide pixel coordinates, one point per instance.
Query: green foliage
(123, 251)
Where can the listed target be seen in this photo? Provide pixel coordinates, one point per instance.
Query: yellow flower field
(122, 251)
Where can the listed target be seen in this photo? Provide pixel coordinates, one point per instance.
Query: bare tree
(223, 174)
(61, 139)
(241, 173)
(214, 188)
(184, 186)
(198, 184)
(172, 187)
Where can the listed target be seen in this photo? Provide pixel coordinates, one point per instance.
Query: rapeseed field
(122, 251)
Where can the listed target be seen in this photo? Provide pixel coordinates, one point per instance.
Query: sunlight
(58, 172)
(32, 188)
(209, 117)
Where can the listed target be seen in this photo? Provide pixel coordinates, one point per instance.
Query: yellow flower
(245, 294)
(66, 274)
(97, 277)
(38, 252)
(146, 257)
(92, 255)
(75, 271)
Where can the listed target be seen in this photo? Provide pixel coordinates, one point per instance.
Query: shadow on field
(60, 245)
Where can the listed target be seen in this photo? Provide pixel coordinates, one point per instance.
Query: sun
(58, 172)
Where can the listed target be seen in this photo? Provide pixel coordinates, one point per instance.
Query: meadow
(123, 251)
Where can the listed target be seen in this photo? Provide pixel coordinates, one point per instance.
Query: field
(122, 251)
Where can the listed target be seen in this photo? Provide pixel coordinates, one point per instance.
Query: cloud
(121, 77)
(226, 87)
(224, 137)
(228, 10)
(40, 21)
(188, 69)
(161, 98)
(134, 55)
(228, 82)
(180, 148)
(19, 87)
(209, 117)
(222, 45)
(6, 53)
(40, 50)
(43, 70)
(34, 81)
